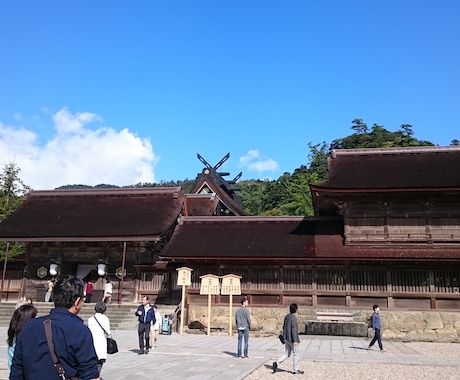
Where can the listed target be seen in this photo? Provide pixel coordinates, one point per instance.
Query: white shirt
(99, 338)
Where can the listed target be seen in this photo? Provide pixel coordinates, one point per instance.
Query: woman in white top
(108, 288)
(97, 330)
(155, 328)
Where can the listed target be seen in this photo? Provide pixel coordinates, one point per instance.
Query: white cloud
(254, 163)
(78, 154)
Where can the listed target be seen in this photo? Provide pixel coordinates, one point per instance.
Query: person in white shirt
(97, 324)
(155, 328)
(108, 289)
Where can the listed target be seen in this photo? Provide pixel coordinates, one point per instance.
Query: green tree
(12, 191)
(359, 126)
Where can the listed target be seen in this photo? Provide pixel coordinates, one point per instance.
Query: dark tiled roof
(417, 167)
(246, 237)
(94, 215)
(283, 239)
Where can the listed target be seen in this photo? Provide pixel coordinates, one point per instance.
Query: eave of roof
(391, 168)
(285, 239)
(340, 190)
(94, 215)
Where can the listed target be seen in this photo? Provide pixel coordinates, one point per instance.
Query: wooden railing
(326, 286)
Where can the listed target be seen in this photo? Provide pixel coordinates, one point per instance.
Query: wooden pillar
(347, 289)
(390, 303)
(314, 288)
(281, 288)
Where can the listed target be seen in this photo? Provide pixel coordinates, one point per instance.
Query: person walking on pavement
(155, 328)
(377, 327)
(99, 325)
(146, 316)
(21, 316)
(73, 343)
(243, 324)
(292, 341)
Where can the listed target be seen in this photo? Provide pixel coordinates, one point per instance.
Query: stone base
(336, 328)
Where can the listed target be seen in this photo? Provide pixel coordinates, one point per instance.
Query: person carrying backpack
(377, 327)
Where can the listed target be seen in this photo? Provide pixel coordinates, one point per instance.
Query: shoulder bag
(112, 347)
(49, 338)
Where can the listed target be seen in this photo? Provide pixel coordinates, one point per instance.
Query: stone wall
(406, 326)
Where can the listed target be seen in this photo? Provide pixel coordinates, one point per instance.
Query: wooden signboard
(231, 285)
(184, 278)
(209, 285)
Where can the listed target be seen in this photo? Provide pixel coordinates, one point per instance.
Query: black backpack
(369, 321)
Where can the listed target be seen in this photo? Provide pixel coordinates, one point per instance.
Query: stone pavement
(198, 356)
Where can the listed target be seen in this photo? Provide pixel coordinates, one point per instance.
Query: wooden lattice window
(407, 281)
(330, 279)
(368, 281)
(446, 282)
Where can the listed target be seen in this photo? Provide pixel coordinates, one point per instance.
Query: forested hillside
(290, 193)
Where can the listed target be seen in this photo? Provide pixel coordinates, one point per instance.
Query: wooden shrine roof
(369, 173)
(207, 179)
(394, 168)
(283, 240)
(94, 215)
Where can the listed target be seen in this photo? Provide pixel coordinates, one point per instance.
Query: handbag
(282, 340)
(112, 347)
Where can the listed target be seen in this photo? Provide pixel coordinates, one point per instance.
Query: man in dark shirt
(377, 327)
(292, 340)
(146, 316)
(73, 342)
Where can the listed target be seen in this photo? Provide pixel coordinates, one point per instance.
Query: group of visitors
(290, 334)
(59, 344)
(106, 298)
(81, 350)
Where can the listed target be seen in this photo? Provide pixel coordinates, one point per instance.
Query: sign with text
(184, 276)
(209, 284)
(231, 285)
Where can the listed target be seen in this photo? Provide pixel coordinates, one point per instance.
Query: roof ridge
(399, 150)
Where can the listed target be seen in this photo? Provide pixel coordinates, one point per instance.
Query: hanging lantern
(54, 268)
(101, 269)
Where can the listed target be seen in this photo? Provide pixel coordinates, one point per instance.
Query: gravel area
(353, 371)
(344, 371)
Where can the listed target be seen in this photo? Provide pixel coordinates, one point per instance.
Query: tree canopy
(290, 193)
(12, 191)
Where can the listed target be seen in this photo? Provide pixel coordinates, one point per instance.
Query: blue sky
(124, 92)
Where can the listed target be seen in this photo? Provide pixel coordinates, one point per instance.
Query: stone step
(121, 316)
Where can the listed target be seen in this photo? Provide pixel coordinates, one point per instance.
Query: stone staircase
(121, 316)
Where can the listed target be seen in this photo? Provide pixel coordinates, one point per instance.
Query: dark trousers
(88, 298)
(100, 363)
(377, 337)
(144, 335)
